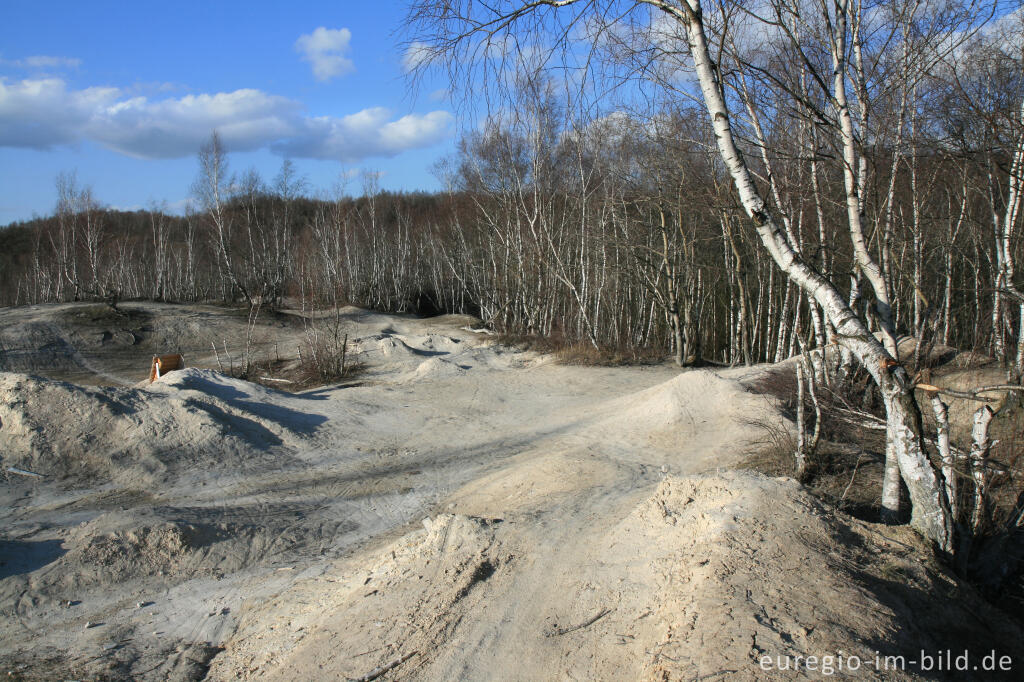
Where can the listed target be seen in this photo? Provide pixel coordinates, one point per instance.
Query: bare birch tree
(213, 189)
(455, 34)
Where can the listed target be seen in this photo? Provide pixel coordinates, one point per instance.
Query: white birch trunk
(945, 452)
(979, 454)
(930, 515)
(865, 263)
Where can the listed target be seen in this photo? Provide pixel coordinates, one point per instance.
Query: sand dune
(465, 511)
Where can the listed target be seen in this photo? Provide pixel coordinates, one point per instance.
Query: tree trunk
(930, 513)
(945, 451)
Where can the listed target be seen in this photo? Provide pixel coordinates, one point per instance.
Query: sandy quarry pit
(463, 511)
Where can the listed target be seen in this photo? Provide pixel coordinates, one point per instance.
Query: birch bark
(930, 512)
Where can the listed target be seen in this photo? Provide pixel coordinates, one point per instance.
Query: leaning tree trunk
(930, 513)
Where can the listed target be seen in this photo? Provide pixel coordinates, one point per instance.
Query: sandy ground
(465, 512)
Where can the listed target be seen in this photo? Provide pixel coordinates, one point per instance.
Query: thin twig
(24, 472)
(865, 419)
(558, 632)
(972, 394)
(384, 669)
(850, 484)
(219, 363)
(869, 421)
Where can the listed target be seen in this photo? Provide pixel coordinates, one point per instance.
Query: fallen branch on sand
(558, 632)
(378, 672)
(972, 394)
(23, 472)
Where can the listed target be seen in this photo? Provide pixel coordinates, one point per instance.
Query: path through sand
(468, 511)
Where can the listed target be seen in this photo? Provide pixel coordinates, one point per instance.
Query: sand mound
(696, 412)
(439, 343)
(216, 385)
(172, 549)
(716, 572)
(164, 549)
(732, 567)
(132, 436)
(536, 481)
(436, 368)
(712, 575)
(406, 598)
(694, 397)
(410, 347)
(389, 346)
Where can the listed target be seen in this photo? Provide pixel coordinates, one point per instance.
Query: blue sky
(123, 94)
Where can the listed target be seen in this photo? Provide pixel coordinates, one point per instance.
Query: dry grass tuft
(846, 470)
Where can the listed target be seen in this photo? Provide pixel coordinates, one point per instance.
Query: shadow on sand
(18, 557)
(294, 420)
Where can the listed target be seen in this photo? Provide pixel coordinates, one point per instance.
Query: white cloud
(363, 134)
(44, 113)
(155, 87)
(326, 50)
(415, 55)
(1007, 32)
(42, 62)
(245, 120)
(179, 207)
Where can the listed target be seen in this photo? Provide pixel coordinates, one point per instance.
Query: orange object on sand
(162, 364)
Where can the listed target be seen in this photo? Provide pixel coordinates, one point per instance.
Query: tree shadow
(18, 557)
(293, 420)
(930, 626)
(250, 430)
(934, 615)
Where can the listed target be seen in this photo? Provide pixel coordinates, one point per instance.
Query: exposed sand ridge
(465, 510)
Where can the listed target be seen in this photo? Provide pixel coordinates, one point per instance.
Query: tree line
(617, 232)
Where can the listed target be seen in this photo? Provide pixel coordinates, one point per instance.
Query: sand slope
(470, 511)
(704, 579)
(187, 420)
